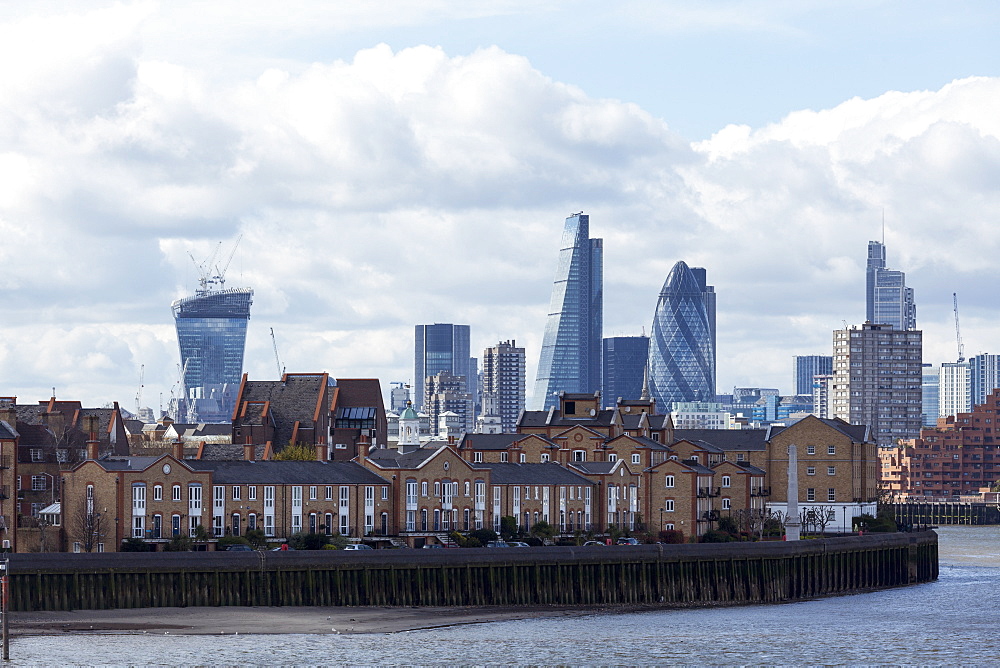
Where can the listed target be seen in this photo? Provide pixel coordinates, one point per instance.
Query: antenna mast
(958, 331)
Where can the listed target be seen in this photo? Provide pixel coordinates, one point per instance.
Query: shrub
(715, 536)
(543, 530)
(483, 535)
(728, 524)
(137, 545)
(226, 541)
(308, 541)
(671, 536)
(178, 544)
(508, 527)
(256, 539)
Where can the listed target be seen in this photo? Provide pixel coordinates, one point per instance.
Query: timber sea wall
(669, 575)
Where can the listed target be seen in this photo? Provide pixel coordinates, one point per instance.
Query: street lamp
(843, 518)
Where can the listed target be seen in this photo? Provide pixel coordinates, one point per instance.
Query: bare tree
(819, 517)
(86, 525)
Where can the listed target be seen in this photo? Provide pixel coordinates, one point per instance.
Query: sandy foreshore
(210, 621)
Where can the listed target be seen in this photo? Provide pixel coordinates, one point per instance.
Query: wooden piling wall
(671, 575)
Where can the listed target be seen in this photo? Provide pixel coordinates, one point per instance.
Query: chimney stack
(93, 449)
(363, 446)
(249, 452)
(322, 452)
(178, 449)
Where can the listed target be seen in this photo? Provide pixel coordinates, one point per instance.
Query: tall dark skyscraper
(681, 348)
(807, 366)
(625, 359)
(503, 384)
(570, 360)
(887, 299)
(441, 347)
(211, 333)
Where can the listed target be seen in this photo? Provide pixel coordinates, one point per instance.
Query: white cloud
(412, 186)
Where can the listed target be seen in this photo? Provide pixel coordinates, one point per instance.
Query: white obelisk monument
(792, 525)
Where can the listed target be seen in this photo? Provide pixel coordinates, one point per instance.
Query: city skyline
(429, 186)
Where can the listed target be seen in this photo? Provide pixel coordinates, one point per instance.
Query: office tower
(954, 389)
(930, 389)
(807, 366)
(822, 400)
(708, 296)
(440, 347)
(444, 393)
(888, 300)
(625, 359)
(570, 359)
(211, 335)
(681, 354)
(985, 370)
(503, 384)
(869, 391)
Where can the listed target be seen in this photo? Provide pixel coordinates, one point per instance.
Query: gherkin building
(681, 347)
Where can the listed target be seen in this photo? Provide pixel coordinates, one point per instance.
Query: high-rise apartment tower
(681, 347)
(570, 359)
(503, 383)
(877, 380)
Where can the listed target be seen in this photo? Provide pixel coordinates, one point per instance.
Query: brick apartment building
(957, 457)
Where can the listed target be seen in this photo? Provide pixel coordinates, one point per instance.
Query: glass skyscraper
(441, 347)
(625, 359)
(570, 360)
(887, 299)
(681, 348)
(807, 366)
(211, 333)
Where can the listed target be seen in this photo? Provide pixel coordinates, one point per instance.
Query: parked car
(593, 543)
(239, 547)
(357, 546)
(628, 541)
(517, 543)
(435, 546)
(498, 543)
(283, 548)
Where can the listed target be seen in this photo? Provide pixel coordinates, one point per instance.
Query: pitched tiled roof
(490, 441)
(554, 418)
(287, 473)
(292, 399)
(594, 467)
(726, 439)
(533, 474)
(228, 452)
(7, 432)
(392, 458)
(858, 433)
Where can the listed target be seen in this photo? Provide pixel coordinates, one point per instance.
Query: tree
(257, 539)
(819, 517)
(508, 527)
(543, 531)
(298, 452)
(85, 525)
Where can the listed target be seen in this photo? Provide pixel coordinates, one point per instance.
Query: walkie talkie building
(212, 333)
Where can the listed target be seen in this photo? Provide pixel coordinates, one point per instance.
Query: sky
(388, 164)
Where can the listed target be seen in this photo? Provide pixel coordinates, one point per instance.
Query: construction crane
(209, 273)
(958, 331)
(277, 360)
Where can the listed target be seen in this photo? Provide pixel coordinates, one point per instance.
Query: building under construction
(211, 333)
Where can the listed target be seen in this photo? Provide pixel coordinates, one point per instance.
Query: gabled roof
(7, 432)
(294, 398)
(856, 432)
(490, 441)
(287, 472)
(228, 452)
(726, 439)
(533, 474)
(597, 468)
(554, 418)
(130, 463)
(388, 458)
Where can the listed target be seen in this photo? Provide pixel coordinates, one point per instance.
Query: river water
(947, 622)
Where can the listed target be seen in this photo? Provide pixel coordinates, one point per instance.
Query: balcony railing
(709, 492)
(760, 491)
